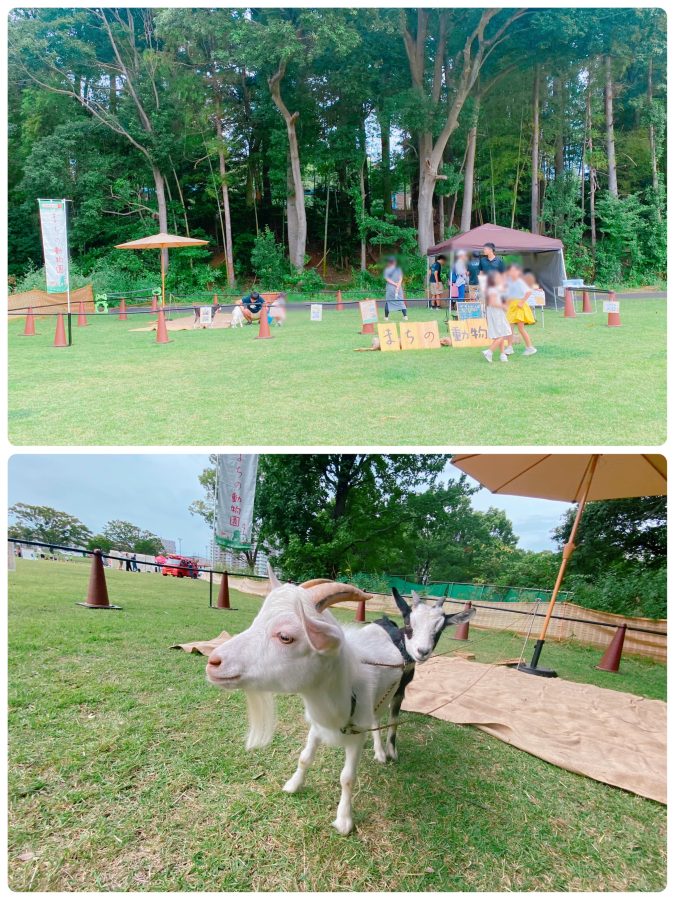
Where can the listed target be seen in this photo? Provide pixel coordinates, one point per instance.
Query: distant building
(169, 546)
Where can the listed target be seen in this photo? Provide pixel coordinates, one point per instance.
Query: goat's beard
(262, 718)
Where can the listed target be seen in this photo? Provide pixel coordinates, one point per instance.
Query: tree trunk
(161, 210)
(612, 184)
(441, 217)
(229, 259)
(291, 213)
(467, 198)
(385, 141)
(362, 189)
(534, 198)
(591, 168)
(559, 145)
(652, 133)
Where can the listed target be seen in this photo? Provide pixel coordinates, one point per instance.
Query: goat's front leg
(380, 755)
(296, 781)
(343, 821)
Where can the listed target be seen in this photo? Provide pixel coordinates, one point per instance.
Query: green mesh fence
(477, 592)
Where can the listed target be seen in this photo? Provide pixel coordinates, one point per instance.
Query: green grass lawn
(588, 384)
(127, 771)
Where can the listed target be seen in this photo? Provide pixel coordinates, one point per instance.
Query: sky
(154, 491)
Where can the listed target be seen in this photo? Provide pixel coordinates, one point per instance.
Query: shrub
(306, 282)
(268, 260)
(627, 591)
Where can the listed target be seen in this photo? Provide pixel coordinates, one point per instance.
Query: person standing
(490, 262)
(393, 295)
(499, 330)
(473, 268)
(436, 281)
(518, 310)
(460, 274)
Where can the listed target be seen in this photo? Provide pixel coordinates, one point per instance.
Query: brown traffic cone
(462, 630)
(162, 336)
(60, 334)
(153, 308)
(29, 328)
(570, 312)
(587, 308)
(215, 300)
(612, 657)
(123, 310)
(361, 611)
(613, 319)
(264, 331)
(223, 601)
(81, 316)
(339, 305)
(367, 328)
(97, 592)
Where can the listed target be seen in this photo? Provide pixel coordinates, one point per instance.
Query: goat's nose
(214, 660)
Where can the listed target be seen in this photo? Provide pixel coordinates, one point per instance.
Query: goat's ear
(439, 603)
(416, 598)
(324, 637)
(271, 574)
(403, 607)
(458, 618)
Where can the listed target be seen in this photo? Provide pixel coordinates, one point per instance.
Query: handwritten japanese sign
(411, 338)
(610, 306)
(368, 311)
(466, 309)
(537, 298)
(235, 496)
(469, 333)
(315, 312)
(388, 335)
(205, 315)
(431, 339)
(55, 244)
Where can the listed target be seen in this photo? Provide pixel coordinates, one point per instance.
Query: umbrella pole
(567, 552)
(161, 264)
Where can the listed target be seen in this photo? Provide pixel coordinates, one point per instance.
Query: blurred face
(514, 272)
(529, 279)
(489, 252)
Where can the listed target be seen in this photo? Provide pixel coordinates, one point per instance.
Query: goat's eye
(285, 638)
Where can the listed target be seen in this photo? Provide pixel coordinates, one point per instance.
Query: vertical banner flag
(55, 244)
(236, 475)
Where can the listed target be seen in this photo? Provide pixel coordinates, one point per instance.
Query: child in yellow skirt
(518, 311)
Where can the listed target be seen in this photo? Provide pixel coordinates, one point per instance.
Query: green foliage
(625, 592)
(44, 523)
(306, 282)
(268, 260)
(130, 538)
(561, 213)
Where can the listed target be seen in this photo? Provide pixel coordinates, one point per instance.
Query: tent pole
(161, 263)
(567, 552)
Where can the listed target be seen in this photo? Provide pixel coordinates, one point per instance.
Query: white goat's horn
(331, 592)
(439, 603)
(416, 598)
(274, 581)
(314, 581)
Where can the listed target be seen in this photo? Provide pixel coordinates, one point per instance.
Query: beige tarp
(203, 647)
(613, 737)
(45, 303)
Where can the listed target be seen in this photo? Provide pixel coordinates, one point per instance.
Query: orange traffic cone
(587, 308)
(367, 328)
(613, 318)
(339, 301)
(215, 299)
(60, 335)
(81, 316)
(123, 310)
(97, 592)
(162, 336)
(361, 611)
(29, 328)
(612, 657)
(223, 601)
(153, 308)
(570, 312)
(264, 331)
(462, 630)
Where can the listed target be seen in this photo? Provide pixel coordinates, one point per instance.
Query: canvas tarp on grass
(610, 736)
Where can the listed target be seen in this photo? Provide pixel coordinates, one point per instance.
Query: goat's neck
(329, 701)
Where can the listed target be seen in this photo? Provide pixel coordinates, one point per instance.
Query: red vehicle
(179, 566)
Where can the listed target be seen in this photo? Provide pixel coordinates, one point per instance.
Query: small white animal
(237, 318)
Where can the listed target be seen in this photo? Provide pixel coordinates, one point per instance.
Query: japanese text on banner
(55, 244)
(235, 498)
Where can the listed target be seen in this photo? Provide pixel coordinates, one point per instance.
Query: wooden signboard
(468, 309)
(388, 335)
(368, 312)
(469, 333)
(431, 338)
(316, 312)
(411, 337)
(537, 298)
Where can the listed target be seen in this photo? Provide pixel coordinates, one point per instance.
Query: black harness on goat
(397, 636)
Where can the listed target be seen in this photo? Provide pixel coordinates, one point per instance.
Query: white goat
(423, 626)
(346, 677)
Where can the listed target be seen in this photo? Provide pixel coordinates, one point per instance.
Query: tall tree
(612, 183)
(44, 523)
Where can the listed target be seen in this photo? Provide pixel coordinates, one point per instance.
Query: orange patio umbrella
(573, 477)
(161, 241)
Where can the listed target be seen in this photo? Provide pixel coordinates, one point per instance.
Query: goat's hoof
(292, 785)
(381, 757)
(343, 826)
(392, 753)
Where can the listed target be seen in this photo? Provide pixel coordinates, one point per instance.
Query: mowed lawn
(127, 771)
(589, 384)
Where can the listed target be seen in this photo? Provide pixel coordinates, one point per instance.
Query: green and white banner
(55, 244)
(235, 497)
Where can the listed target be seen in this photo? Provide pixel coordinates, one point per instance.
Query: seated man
(251, 306)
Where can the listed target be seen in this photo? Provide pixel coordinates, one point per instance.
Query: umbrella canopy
(575, 477)
(160, 241)
(506, 240)
(561, 476)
